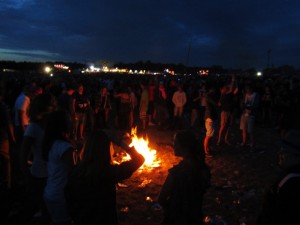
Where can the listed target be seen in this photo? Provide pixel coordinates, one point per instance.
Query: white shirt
(22, 104)
(39, 165)
(179, 99)
(57, 171)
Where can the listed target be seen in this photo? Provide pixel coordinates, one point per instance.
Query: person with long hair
(91, 187)
(182, 193)
(58, 151)
(35, 173)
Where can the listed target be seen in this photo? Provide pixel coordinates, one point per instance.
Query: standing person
(195, 104)
(151, 109)
(202, 94)
(21, 113)
(66, 102)
(58, 152)
(170, 90)
(267, 104)
(281, 203)
(7, 137)
(21, 121)
(124, 108)
(82, 104)
(249, 107)
(133, 103)
(91, 187)
(102, 108)
(179, 100)
(226, 103)
(144, 102)
(210, 117)
(37, 173)
(161, 108)
(182, 193)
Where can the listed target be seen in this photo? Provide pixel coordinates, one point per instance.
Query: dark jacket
(282, 201)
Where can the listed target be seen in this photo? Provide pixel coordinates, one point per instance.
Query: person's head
(289, 155)
(40, 106)
(103, 90)
(36, 90)
(96, 150)
(187, 145)
(80, 89)
(69, 87)
(180, 88)
(144, 84)
(58, 127)
(249, 89)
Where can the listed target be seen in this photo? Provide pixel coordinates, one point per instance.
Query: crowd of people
(55, 135)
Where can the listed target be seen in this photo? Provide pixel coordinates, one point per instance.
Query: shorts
(247, 123)
(226, 119)
(210, 127)
(143, 115)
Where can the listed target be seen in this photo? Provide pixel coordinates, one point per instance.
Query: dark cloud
(231, 33)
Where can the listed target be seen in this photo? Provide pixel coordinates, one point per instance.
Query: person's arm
(11, 132)
(22, 119)
(126, 169)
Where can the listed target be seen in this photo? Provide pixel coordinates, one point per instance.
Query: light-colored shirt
(57, 171)
(22, 104)
(179, 99)
(39, 165)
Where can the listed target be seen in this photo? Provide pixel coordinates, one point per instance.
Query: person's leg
(228, 125)
(220, 134)
(209, 133)
(194, 115)
(243, 128)
(251, 121)
(206, 144)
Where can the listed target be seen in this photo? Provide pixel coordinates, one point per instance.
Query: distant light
(47, 69)
(51, 74)
(259, 74)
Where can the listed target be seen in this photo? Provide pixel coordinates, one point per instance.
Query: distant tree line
(151, 66)
(35, 66)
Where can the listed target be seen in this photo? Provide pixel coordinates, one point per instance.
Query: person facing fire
(182, 193)
(91, 187)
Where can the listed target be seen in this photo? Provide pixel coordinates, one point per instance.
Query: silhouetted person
(182, 193)
(91, 190)
(281, 205)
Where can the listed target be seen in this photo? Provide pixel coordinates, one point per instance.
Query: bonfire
(141, 144)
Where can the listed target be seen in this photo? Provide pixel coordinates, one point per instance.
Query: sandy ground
(240, 177)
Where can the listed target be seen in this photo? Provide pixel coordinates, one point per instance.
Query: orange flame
(141, 145)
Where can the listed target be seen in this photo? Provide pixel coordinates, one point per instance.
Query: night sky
(231, 33)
